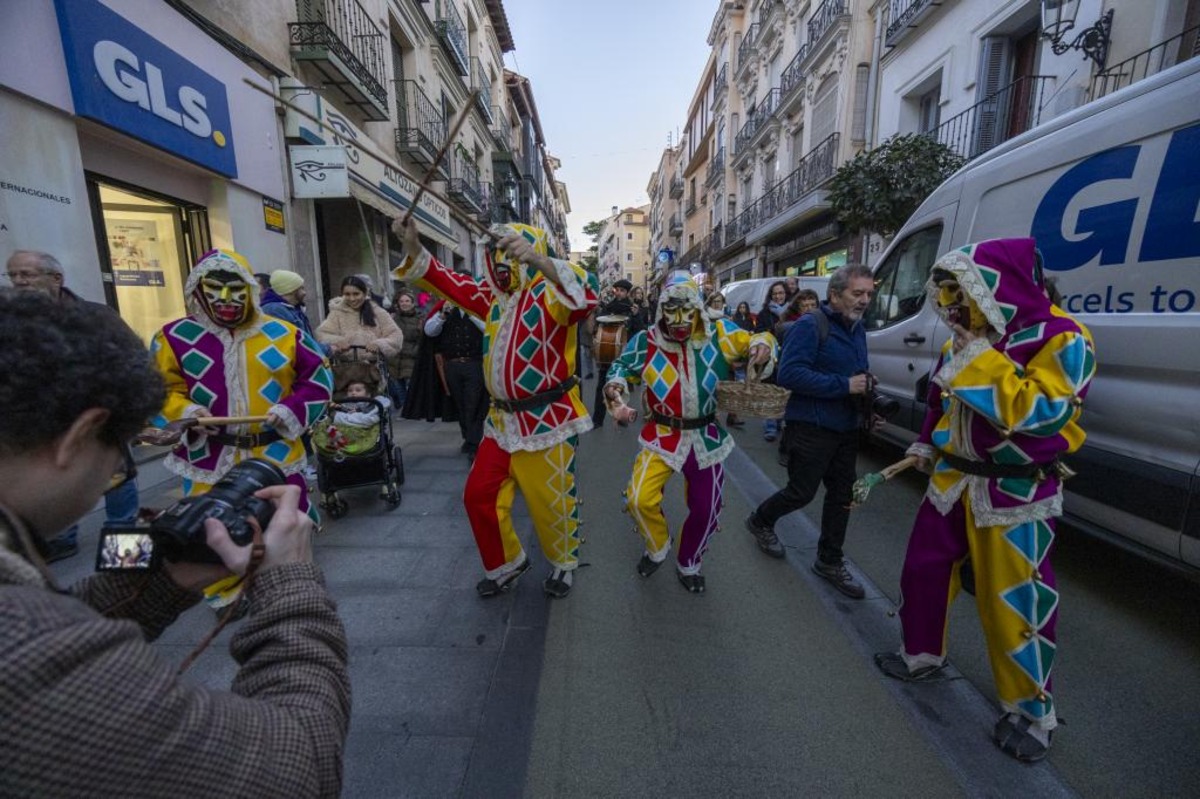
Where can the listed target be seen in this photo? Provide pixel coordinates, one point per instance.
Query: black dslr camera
(872, 404)
(177, 534)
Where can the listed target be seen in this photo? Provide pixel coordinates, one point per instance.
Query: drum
(612, 332)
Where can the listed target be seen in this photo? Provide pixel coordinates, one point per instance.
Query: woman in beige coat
(355, 320)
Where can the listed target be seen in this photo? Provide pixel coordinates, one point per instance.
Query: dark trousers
(465, 381)
(599, 409)
(817, 455)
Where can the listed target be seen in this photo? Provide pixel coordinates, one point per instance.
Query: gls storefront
(131, 145)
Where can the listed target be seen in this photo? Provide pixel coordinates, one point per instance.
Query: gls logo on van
(128, 80)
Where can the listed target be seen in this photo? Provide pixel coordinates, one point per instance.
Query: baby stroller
(355, 456)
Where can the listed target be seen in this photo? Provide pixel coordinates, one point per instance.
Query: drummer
(619, 305)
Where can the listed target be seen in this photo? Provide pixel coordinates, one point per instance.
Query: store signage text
(126, 79)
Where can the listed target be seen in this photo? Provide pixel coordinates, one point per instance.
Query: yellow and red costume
(529, 350)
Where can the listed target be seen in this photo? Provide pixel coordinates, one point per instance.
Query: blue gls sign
(130, 81)
(1172, 227)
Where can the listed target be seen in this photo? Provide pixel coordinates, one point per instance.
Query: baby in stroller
(354, 440)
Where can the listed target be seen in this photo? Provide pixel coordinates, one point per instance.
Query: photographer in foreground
(89, 708)
(824, 365)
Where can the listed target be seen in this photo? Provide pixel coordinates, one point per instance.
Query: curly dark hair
(59, 360)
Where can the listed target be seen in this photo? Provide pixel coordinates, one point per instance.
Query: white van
(1111, 192)
(754, 290)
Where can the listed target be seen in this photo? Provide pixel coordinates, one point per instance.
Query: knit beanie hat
(285, 282)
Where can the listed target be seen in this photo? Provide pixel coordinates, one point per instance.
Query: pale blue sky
(611, 80)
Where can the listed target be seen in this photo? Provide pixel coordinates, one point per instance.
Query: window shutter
(858, 127)
(995, 69)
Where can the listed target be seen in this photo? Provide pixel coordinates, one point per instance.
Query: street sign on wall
(318, 171)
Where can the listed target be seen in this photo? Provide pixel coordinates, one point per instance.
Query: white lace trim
(969, 279)
(921, 660)
(689, 442)
(290, 424)
(506, 568)
(514, 442)
(959, 361)
(570, 289)
(1047, 722)
(413, 267)
(981, 503)
(496, 360)
(922, 450)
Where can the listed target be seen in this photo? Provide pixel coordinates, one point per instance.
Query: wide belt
(1028, 471)
(536, 400)
(679, 423)
(247, 440)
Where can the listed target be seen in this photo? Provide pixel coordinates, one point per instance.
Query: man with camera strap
(831, 388)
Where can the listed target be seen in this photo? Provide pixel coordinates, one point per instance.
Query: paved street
(764, 686)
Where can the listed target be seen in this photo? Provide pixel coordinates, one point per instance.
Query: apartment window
(628, 218)
(824, 111)
(929, 109)
(628, 256)
(629, 237)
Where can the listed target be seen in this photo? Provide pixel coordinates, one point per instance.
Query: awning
(394, 206)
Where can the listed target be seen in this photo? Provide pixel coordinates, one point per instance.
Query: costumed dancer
(1004, 404)
(681, 358)
(228, 358)
(531, 304)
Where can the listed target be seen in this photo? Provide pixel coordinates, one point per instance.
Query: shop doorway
(146, 244)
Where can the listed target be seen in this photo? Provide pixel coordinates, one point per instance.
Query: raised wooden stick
(863, 485)
(221, 421)
(437, 159)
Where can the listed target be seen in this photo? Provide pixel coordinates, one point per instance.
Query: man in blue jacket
(824, 365)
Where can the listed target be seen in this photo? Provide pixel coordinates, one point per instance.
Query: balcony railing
(755, 123)
(766, 8)
(464, 185)
(1173, 51)
(501, 129)
(422, 128)
(998, 117)
(748, 45)
(904, 15)
(344, 45)
(676, 190)
(481, 84)
(793, 73)
(689, 207)
(453, 35)
(716, 168)
(823, 18)
(721, 82)
(675, 225)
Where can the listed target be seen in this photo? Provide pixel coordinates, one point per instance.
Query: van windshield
(900, 279)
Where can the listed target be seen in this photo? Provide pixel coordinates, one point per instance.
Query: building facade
(623, 247)
(294, 131)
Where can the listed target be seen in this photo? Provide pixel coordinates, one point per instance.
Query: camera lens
(885, 407)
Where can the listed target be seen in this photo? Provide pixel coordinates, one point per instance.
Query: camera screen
(124, 549)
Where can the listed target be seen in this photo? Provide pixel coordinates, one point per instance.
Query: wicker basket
(752, 398)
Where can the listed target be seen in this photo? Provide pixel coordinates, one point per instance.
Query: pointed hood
(680, 287)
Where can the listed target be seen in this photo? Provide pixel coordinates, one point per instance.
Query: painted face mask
(501, 270)
(225, 298)
(678, 320)
(956, 307)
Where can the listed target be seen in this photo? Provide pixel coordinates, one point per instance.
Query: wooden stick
(220, 421)
(437, 159)
(365, 148)
(899, 466)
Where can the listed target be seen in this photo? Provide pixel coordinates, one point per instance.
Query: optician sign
(126, 79)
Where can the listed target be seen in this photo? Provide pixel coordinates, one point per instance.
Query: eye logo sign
(128, 80)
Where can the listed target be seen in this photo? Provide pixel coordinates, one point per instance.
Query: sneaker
(694, 583)
(488, 587)
(58, 549)
(768, 542)
(893, 665)
(839, 575)
(558, 584)
(646, 566)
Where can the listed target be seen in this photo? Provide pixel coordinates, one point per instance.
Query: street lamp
(511, 197)
(1058, 19)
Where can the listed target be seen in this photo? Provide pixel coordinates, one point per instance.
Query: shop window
(149, 244)
(900, 279)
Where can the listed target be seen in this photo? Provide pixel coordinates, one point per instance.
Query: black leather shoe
(646, 566)
(768, 542)
(694, 583)
(558, 584)
(488, 587)
(839, 575)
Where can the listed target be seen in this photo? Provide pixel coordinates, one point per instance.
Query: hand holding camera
(288, 536)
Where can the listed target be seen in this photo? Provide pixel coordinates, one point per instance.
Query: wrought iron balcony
(501, 129)
(793, 74)
(747, 47)
(480, 83)
(721, 82)
(756, 123)
(422, 128)
(824, 18)
(453, 35)
(1166, 54)
(696, 254)
(904, 16)
(689, 207)
(716, 240)
(343, 44)
(676, 190)
(996, 118)
(716, 168)
(766, 8)
(464, 187)
(675, 225)
(814, 169)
